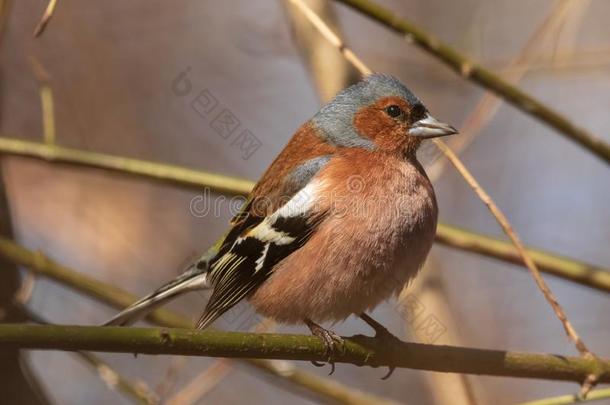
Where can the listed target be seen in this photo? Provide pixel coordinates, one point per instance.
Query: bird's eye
(393, 111)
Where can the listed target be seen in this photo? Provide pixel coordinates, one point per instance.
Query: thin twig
(568, 33)
(4, 12)
(590, 380)
(334, 39)
(578, 60)
(510, 232)
(46, 101)
(358, 350)
(329, 70)
(425, 303)
(202, 384)
(476, 73)
(288, 371)
(594, 395)
(489, 103)
(137, 391)
(24, 293)
(46, 17)
(165, 386)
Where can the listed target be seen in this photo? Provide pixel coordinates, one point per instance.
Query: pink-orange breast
(380, 223)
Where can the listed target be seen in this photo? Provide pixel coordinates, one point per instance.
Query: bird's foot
(384, 335)
(331, 341)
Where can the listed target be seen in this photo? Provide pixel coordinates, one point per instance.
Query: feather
(191, 280)
(250, 260)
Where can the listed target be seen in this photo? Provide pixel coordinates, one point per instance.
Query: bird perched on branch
(341, 220)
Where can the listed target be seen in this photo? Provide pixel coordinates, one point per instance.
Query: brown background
(111, 65)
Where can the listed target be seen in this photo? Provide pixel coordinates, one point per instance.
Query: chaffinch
(339, 222)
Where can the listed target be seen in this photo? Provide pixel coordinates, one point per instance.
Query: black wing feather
(249, 262)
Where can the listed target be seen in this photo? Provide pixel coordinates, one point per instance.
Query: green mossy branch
(357, 350)
(560, 266)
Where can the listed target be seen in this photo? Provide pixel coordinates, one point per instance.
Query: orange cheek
(394, 140)
(386, 133)
(371, 122)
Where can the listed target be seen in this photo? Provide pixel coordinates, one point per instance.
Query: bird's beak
(430, 127)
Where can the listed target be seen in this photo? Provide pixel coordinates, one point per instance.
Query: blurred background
(114, 68)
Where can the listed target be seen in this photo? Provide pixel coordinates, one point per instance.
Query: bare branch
(510, 232)
(569, 269)
(489, 103)
(594, 395)
(46, 17)
(358, 350)
(164, 172)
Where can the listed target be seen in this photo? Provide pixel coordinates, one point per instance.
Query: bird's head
(378, 113)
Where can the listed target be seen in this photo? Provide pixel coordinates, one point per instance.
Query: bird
(342, 220)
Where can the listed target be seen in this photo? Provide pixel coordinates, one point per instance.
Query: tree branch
(486, 78)
(582, 273)
(527, 260)
(569, 269)
(139, 394)
(119, 298)
(358, 350)
(163, 172)
(46, 17)
(594, 395)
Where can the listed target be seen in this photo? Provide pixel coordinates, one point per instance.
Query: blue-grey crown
(334, 121)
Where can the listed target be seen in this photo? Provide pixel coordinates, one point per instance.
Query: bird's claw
(330, 340)
(384, 335)
(332, 365)
(389, 373)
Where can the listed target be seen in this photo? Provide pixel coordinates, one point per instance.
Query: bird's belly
(351, 263)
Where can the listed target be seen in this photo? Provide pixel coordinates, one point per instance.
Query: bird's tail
(191, 280)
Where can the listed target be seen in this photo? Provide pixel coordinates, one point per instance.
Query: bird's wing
(234, 263)
(279, 183)
(255, 245)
